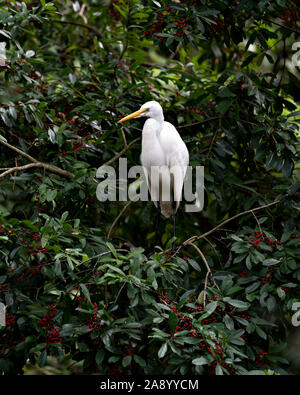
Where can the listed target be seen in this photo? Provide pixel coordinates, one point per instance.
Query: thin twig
(283, 26)
(118, 294)
(102, 254)
(205, 261)
(117, 156)
(91, 28)
(212, 141)
(118, 217)
(81, 13)
(172, 56)
(213, 247)
(123, 51)
(208, 273)
(124, 137)
(197, 123)
(258, 224)
(194, 238)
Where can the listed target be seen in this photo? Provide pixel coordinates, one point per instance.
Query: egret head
(151, 109)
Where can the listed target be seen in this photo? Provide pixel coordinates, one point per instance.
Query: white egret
(164, 158)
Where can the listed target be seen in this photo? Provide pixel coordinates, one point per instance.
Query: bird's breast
(152, 152)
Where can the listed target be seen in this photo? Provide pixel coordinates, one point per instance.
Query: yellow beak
(133, 115)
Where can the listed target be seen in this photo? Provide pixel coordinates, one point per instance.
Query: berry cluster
(37, 193)
(261, 238)
(213, 365)
(288, 17)
(32, 242)
(116, 369)
(269, 275)
(42, 86)
(218, 27)
(113, 12)
(260, 358)
(76, 146)
(189, 3)
(78, 128)
(165, 22)
(195, 110)
(158, 26)
(95, 320)
(53, 336)
(9, 319)
(9, 345)
(47, 324)
(123, 65)
(5, 231)
(185, 323)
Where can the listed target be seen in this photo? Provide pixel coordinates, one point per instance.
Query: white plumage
(164, 158)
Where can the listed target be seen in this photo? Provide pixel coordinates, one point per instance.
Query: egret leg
(157, 224)
(174, 223)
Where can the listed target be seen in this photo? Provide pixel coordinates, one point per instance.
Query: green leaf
(200, 361)
(228, 322)
(194, 264)
(223, 105)
(100, 356)
(112, 249)
(253, 287)
(281, 293)
(116, 269)
(270, 262)
(225, 92)
(164, 35)
(139, 360)
(249, 59)
(126, 361)
(42, 358)
(261, 333)
(287, 168)
(211, 307)
(51, 194)
(219, 370)
(162, 351)
(172, 321)
(85, 292)
(237, 303)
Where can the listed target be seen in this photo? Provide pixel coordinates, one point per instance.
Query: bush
(77, 275)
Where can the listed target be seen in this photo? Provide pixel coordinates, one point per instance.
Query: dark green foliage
(223, 73)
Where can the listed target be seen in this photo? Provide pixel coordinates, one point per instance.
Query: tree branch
(18, 151)
(36, 163)
(194, 238)
(282, 26)
(46, 166)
